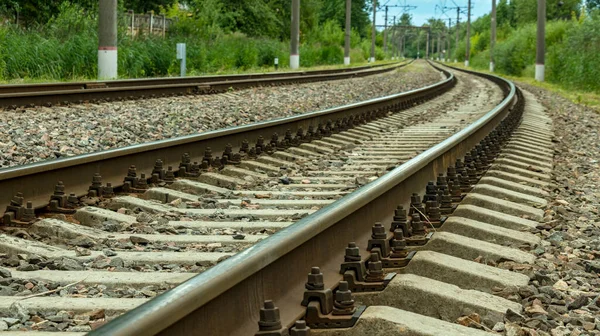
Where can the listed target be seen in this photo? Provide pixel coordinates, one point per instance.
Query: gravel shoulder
(564, 292)
(41, 133)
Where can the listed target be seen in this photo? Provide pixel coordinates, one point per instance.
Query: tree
(336, 10)
(405, 19)
(592, 4)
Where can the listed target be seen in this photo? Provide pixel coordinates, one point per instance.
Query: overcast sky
(427, 9)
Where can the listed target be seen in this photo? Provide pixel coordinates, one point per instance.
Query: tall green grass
(66, 48)
(572, 53)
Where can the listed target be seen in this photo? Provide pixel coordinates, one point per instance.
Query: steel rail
(39, 87)
(225, 300)
(36, 180)
(64, 93)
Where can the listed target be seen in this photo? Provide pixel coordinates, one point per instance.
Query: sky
(426, 9)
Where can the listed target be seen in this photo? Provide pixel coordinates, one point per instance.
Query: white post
(107, 39)
(181, 56)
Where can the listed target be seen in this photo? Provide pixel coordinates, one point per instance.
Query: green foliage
(572, 47)
(221, 35)
(573, 61)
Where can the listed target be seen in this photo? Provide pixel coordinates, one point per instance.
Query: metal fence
(146, 24)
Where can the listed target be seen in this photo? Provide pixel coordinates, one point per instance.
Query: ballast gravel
(42, 133)
(563, 297)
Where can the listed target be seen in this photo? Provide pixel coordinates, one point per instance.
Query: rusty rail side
(225, 300)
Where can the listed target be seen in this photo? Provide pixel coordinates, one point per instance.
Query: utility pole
(468, 45)
(394, 42)
(541, 42)
(427, 47)
(348, 32)
(385, 33)
(456, 42)
(295, 39)
(107, 39)
(493, 36)
(438, 46)
(448, 38)
(418, 46)
(373, 32)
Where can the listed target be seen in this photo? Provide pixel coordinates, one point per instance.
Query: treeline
(50, 40)
(572, 41)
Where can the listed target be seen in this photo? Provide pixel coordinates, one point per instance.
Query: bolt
(269, 317)
(446, 200)
(441, 182)
(460, 167)
(72, 199)
(132, 171)
(399, 220)
(245, 146)
(352, 253)
(142, 183)
(398, 243)
(185, 159)
(96, 181)
(417, 225)
(169, 175)
(451, 173)
(28, 213)
(300, 329)
(59, 189)
(430, 192)
(378, 231)
(433, 211)
(375, 268)
(343, 303)
(17, 200)
(315, 280)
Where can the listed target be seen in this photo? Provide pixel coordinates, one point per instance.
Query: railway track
(49, 94)
(169, 230)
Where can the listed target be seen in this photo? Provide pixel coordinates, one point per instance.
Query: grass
(586, 98)
(195, 73)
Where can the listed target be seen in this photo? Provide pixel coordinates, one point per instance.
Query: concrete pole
(394, 40)
(164, 30)
(468, 45)
(448, 38)
(107, 39)
(295, 39)
(438, 47)
(385, 32)
(348, 32)
(151, 22)
(427, 47)
(456, 42)
(541, 41)
(373, 33)
(493, 36)
(418, 46)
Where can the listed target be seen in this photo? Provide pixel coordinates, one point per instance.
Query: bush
(66, 47)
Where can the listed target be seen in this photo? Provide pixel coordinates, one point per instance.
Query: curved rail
(13, 96)
(276, 267)
(36, 181)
